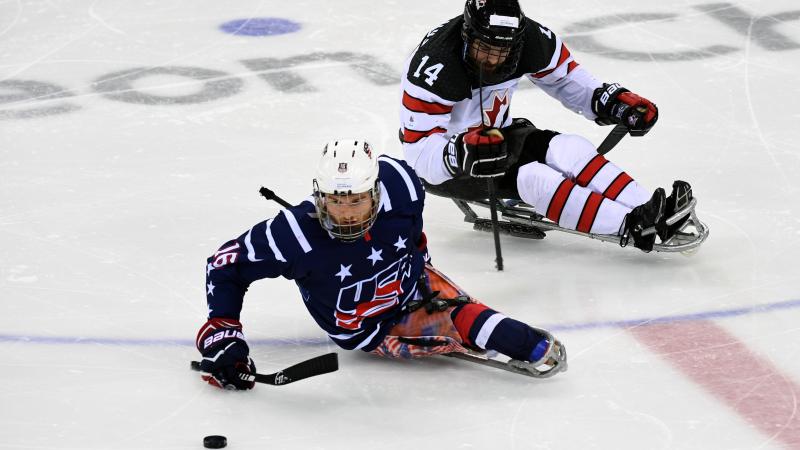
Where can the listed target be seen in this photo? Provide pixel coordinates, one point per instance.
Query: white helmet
(347, 170)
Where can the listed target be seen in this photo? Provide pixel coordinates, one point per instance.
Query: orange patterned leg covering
(436, 329)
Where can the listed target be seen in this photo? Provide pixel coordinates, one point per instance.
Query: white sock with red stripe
(570, 205)
(576, 158)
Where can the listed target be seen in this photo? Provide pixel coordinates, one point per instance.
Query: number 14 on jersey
(432, 72)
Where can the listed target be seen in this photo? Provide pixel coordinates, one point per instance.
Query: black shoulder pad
(540, 44)
(437, 64)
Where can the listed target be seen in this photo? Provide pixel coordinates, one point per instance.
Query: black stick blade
(612, 139)
(318, 365)
(312, 367)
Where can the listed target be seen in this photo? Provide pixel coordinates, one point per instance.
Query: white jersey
(441, 98)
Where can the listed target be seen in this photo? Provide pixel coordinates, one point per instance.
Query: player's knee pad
(569, 154)
(536, 184)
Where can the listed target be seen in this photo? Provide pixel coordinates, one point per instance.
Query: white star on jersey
(401, 243)
(375, 256)
(210, 287)
(344, 272)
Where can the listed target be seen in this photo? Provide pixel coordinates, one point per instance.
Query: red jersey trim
(421, 106)
(565, 54)
(413, 136)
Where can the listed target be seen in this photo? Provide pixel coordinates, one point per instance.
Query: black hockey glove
(478, 153)
(614, 104)
(226, 362)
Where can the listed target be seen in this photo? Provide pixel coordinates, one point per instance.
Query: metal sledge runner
(544, 370)
(521, 220)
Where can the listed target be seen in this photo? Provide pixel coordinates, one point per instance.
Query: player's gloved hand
(226, 362)
(614, 104)
(479, 153)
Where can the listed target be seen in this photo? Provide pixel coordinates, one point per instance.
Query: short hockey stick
(619, 132)
(612, 139)
(495, 226)
(498, 252)
(271, 195)
(309, 368)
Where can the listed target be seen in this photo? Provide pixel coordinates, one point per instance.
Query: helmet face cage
(346, 188)
(351, 231)
(501, 43)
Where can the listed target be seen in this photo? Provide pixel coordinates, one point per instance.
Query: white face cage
(346, 188)
(347, 216)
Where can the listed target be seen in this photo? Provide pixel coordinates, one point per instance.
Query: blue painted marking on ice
(71, 340)
(790, 304)
(721, 314)
(260, 26)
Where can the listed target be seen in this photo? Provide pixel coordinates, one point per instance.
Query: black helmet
(498, 26)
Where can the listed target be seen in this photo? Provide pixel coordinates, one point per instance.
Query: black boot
(643, 217)
(680, 197)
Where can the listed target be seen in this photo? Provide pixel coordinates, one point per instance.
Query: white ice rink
(134, 137)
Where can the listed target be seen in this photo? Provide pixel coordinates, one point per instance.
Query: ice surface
(135, 136)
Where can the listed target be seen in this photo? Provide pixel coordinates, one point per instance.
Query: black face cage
(350, 232)
(506, 42)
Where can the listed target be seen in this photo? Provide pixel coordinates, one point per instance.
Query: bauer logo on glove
(480, 153)
(220, 335)
(614, 104)
(226, 359)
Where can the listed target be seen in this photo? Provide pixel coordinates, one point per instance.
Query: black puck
(215, 442)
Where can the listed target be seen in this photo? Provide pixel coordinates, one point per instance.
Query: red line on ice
(725, 367)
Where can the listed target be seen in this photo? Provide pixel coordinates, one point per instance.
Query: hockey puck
(215, 442)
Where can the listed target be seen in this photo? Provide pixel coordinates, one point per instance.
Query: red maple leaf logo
(490, 115)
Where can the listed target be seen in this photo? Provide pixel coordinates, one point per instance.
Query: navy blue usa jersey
(354, 291)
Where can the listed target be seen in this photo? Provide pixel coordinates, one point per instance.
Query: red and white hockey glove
(226, 362)
(479, 153)
(614, 104)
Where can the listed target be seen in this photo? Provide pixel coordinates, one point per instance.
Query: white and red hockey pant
(578, 188)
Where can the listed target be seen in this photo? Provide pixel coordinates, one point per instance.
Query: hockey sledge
(514, 366)
(517, 218)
